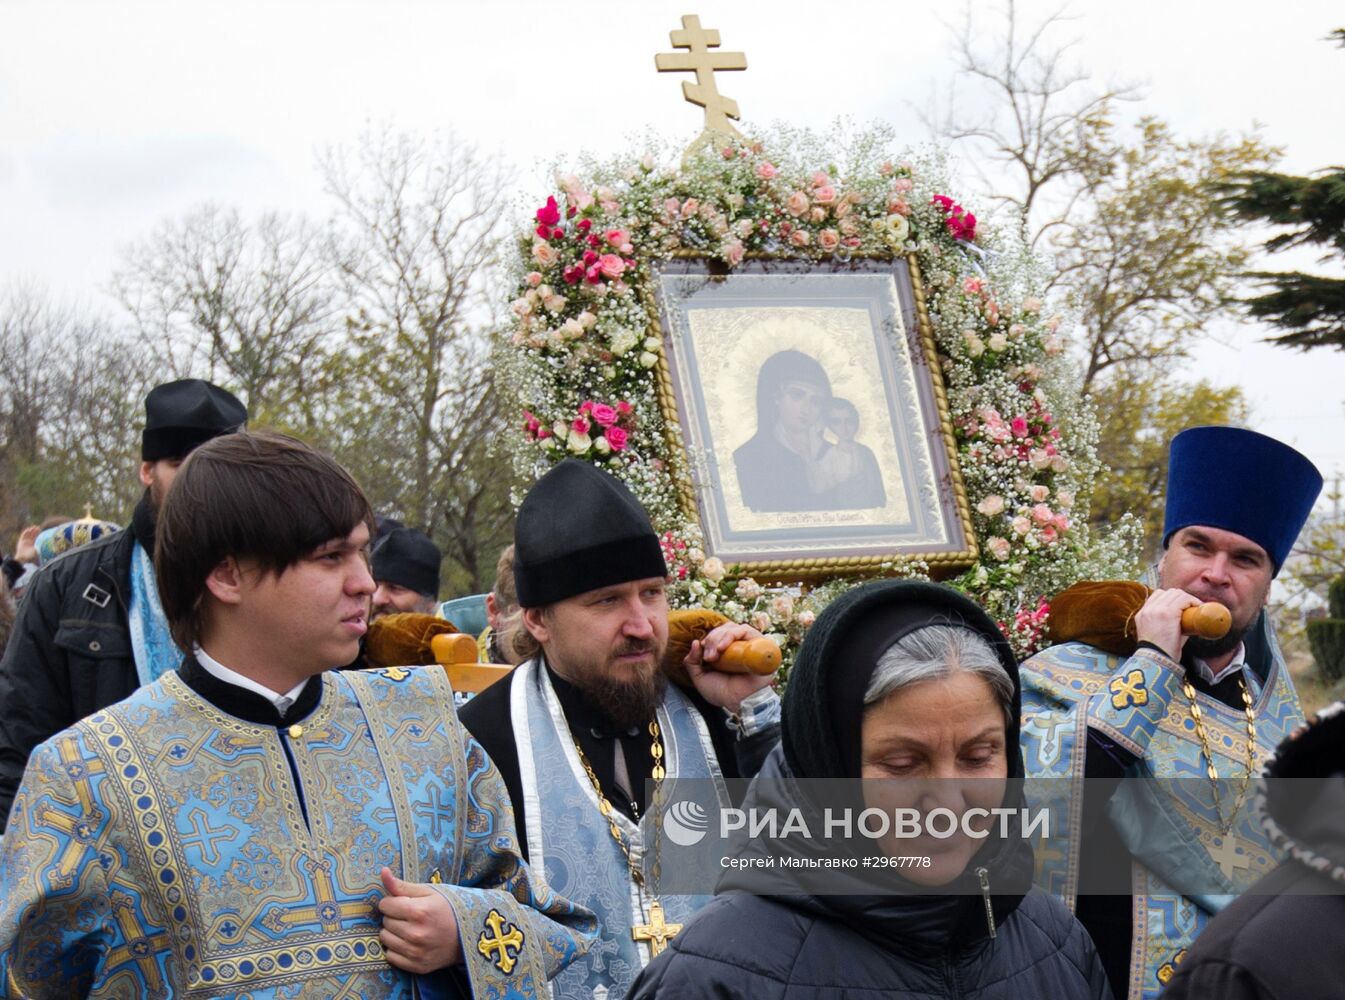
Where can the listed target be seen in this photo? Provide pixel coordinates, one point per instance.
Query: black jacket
(825, 948)
(69, 654)
(1284, 937)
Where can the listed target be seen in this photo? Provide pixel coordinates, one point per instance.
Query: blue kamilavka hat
(1240, 481)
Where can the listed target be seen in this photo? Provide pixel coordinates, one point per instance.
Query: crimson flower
(549, 214)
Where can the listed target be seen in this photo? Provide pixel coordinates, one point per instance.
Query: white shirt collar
(1234, 665)
(212, 666)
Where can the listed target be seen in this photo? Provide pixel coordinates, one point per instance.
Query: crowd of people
(209, 789)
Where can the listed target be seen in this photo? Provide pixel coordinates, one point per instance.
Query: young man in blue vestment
(256, 822)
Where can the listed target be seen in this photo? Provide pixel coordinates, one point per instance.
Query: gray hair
(934, 652)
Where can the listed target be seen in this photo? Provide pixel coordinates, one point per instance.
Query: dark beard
(627, 701)
(1210, 649)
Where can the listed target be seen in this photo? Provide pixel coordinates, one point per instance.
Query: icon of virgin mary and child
(791, 463)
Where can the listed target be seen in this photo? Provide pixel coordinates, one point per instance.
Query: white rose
(713, 569)
(579, 443)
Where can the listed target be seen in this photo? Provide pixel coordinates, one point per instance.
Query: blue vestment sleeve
(1128, 710)
(58, 915)
(509, 919)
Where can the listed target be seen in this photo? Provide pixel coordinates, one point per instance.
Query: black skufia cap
(409, 559)
(579, 529)
(183, 414)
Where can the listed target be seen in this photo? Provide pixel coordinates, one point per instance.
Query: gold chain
(605, 807)
(1196, 716)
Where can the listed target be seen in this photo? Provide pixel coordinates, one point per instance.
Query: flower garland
(581, 333)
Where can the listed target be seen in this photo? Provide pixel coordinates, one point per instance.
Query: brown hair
(516, 642)
(254, 495)
(506, 594)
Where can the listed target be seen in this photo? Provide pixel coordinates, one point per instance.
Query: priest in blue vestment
(256, 823)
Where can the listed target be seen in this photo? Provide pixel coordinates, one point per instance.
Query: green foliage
(1312, 210)
(1147, 258)
(1335, 601)
(1138, 416)
(1327, 638)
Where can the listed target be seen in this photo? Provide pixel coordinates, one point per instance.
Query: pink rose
(611, 265)
(898, 206)
(800, 237)
(1042, 514)
(991, 505)
(843, 209)
(672, 207)
(849, 226)
(616, 437)
(690, 207)
(820, 179)
(1031, 304)
(760, 621)
(580, 425)
(1048, 534)
(543, 253)
(549, 214)
(797, 204)
(1018, 426)
(828, 240)
(1021, 525)
(766, 170)
(1065, 498)
(1040, 459)
(1039, 493)
(1061, 522)
(603, 415)
(824, 195)
(999, 547)
(534, 279)
(972, 286)
(616, 237)
(733, 253)
(902, 185)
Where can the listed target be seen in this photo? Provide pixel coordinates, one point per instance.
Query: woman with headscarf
(896, 680)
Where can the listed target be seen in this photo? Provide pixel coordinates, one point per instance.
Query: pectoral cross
(656, 932)
(700, 60)
(1227, 857)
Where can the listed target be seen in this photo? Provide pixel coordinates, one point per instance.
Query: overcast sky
(114, 115)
